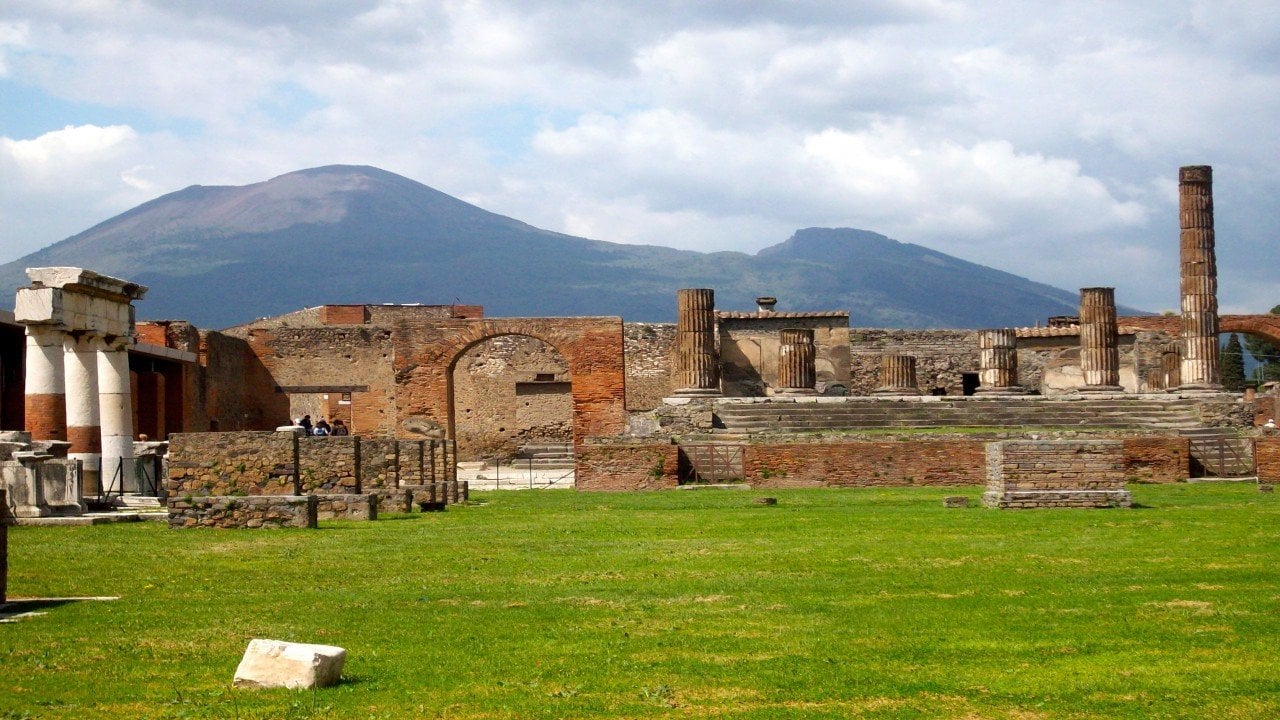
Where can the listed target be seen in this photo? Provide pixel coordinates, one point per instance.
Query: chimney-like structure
(1199, 336)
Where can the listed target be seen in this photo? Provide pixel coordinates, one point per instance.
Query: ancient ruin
(769, 397)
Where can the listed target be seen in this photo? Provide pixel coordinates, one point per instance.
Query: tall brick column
(46, 402)
(897, 375)
(83, 428)
(697, 363)
(116, 414)
(1199, 280)
(998, 362)
(797, 358)
(1099, 340)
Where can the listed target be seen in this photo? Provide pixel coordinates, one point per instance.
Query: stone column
(116, 415)
(998, 362)
(697, 363)
(83, 428)
(1099, 340)
(797, 370)
(1199, 335)
(897, 375)
(1171, 369)
(46, 402)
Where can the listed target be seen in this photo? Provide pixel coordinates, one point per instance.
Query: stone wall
(260, 511)
(942, 357)
(329, 465)
(1157, 459)
(649, 349)
(865, 464)
(233, 463)
(1055, 473)
(618, 465)
(347, 507)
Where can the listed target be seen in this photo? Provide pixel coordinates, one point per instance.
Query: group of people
(322, 428)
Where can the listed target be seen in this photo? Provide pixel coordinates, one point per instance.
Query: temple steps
(859, 413)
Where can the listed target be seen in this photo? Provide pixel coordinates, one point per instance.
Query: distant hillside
(220, 256)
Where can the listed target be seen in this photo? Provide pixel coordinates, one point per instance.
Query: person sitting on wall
(305, 422)
(339, 428)
(321, 429)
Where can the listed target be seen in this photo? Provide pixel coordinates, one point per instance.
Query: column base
(1199, 389)
(697, 392)
(795, 392)
(1000, 391)
(896, 391)
(1101, 390)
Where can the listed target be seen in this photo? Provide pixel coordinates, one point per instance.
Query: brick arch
(1264, 326)
(428, 350)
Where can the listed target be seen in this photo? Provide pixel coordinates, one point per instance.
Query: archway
(509, 392)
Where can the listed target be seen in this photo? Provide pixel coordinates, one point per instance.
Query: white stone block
(275, 663)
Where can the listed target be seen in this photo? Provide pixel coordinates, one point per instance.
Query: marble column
(797, 358)
(697, 363)
(1199, 337)
(84, 430)
(116, 415)
(1099, 340)
(897, 375)
(998, 362)
(45, 401)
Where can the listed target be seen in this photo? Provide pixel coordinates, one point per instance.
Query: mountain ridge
(223, 255)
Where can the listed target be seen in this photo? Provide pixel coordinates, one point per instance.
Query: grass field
(833, 604)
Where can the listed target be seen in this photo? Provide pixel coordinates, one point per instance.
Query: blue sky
(1039, 138)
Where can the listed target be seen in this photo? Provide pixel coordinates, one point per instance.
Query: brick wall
(1157, 459)
(343, 315)
(1055, 473)
(865, 464)
(232, 463)
(273, 511)
(626, 466)
(1266, 453)
(329, 465)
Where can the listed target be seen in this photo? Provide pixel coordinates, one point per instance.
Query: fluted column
(1099, 340)
(998, 362)
(84, 430)
(1199, 279)
(116, 415)
(797, 362)
(697, 363)
(45, 399)
(897, 375)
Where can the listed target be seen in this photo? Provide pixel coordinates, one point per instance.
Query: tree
(1231, 365)
(1265, 352)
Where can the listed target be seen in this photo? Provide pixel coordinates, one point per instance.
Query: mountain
(220, 256)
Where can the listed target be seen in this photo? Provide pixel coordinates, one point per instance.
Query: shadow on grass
(15, 610)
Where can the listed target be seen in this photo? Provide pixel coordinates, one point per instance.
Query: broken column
(1099, 340)
(1199, 336)
(797, 357)
(998, 362)
(697, 363)
(897, 375)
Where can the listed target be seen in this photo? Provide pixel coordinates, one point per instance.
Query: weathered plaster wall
(749, 350)
(500, 402)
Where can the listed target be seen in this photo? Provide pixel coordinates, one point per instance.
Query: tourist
(339, 428)
(305, 422)
(321, 429)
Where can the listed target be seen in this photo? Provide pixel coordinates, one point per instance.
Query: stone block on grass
(297, 666)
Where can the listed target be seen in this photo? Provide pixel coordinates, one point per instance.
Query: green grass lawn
(833, 604)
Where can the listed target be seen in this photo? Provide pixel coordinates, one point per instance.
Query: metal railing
(711, 463)
(1222, 458)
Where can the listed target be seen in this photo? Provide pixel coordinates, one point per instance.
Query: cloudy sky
(1042, 138)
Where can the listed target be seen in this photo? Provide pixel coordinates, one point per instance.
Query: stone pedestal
(1056, 473)
(40, 485)
(1099, 341)
(797, 357)
(1199, 286)
(697, 362)
(998, 362)
(897, 375)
